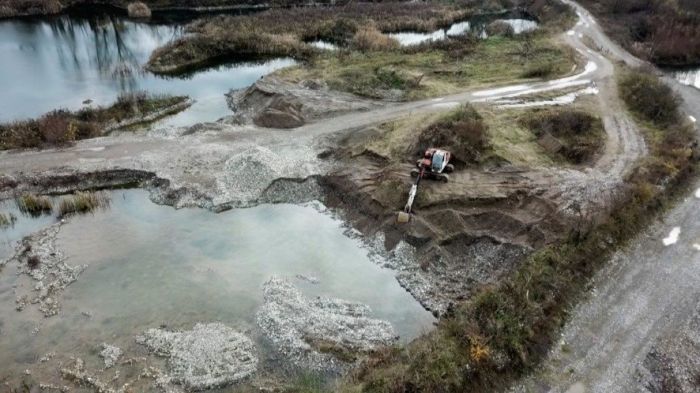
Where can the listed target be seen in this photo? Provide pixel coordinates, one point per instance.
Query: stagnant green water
(152, 265)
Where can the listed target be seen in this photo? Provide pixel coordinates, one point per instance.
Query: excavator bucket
(403, 217)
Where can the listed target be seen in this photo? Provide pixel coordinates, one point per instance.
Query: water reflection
(476, 26)
(151, 265)
(63, 61)
(689, 77)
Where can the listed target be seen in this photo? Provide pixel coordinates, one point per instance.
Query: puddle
(62, 61)
(689, 77)
(672, 237)
(325, 45)
(565, 99)
(476, 26)
(152, 265)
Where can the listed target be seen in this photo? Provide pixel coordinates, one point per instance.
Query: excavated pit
(149, 268)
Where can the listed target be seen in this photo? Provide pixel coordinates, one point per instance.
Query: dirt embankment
(467, 233)
(273, 103)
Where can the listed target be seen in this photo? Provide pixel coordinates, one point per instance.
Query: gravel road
(647, 291)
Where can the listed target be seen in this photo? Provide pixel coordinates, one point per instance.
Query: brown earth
(468, 232)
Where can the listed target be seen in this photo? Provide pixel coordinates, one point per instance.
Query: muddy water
(475, 26)
(62, 61)
(151, 265)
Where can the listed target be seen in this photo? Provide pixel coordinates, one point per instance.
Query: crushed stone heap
(320, 334)
(210, 355)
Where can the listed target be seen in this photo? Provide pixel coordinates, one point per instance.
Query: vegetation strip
(354, 27)
(61, 127)
(666, 32)
(507, 329)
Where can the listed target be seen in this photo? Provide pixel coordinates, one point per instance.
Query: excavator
(434, 165)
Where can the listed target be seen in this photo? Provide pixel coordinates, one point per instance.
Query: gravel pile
(321, 334)
(110, 354)
(39, 258)
(209, 356)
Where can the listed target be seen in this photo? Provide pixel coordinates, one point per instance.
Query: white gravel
(208, 356)
(110, 354)
(291, 321)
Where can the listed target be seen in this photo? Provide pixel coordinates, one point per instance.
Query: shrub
(578, 134)
(649, 97)
(7, 220)
(82, 202)
(339, 30)
(371, 39)
(33, 262)
(462, 132)
(541, 70)
(12, 8)
(665, 32)
(501, 28)
(56, 128)
(61, 126)
(34, 205)
(138, 9)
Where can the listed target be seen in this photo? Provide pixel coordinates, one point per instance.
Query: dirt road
(646, 294)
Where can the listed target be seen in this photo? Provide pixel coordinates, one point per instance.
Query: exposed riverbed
(152, 265)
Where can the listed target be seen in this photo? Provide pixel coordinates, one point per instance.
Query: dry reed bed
(666, 32)
(78, 202)
(61, 126)
(284, 32)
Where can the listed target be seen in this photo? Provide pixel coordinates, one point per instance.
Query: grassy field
(482, 134)
(286, 32)
(438, 69)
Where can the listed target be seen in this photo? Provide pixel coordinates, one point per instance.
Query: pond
(151, 265)
(690, 77)
(63, 61)
(325, 45)
(476, 25)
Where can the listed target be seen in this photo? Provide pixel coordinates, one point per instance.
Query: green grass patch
(446, 67)
(568, 135)
(513, 142)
